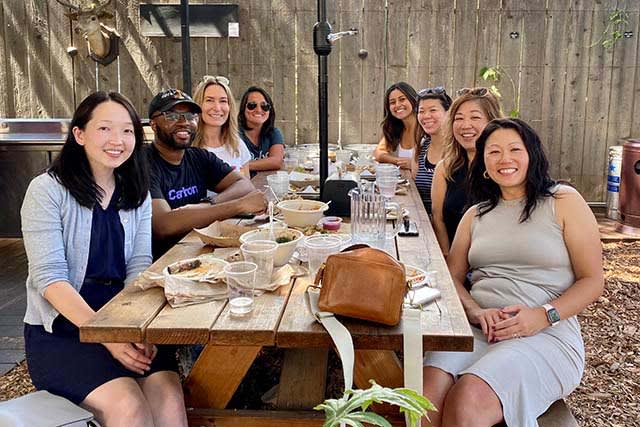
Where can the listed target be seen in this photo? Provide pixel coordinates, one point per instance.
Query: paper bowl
(222, 234)
(284, 250)
(302, 213)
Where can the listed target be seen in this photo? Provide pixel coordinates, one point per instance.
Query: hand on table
(135, 357)
(404, 162)
(519, 321)
(254, 202)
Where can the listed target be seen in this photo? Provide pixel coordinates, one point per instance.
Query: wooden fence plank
(373, 75)
(40, 82)
(6, 103)
(61, 64)
(17, 57)
(465, 44)
(284, 72)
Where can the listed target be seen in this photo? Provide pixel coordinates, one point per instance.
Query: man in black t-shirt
(180, 175)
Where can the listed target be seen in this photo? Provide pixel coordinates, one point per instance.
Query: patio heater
(323, 38)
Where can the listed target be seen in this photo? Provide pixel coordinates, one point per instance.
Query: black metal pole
(186, 46)
(322, 48)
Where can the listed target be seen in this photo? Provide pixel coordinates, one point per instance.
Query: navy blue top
(266, 142)
(424, 177)
(455, 200)
(106, 250)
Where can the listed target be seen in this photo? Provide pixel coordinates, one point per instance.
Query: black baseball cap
(169, 98)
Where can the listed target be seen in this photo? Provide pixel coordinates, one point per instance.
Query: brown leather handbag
(364, 283)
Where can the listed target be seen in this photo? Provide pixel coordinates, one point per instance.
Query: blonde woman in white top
(218, 123)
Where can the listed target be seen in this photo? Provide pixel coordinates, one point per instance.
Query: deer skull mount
(102, 41)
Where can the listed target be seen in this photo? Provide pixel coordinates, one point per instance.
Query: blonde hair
(229, 133)
(454, 155)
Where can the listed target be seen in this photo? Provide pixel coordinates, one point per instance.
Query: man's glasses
(251, 105)
(475, 91)
(173, 116)
(439, 90)
(216, 79)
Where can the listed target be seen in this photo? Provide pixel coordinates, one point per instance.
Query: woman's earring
(485, 174)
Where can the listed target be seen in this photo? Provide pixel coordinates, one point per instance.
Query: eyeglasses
(439, 90)
(251, 105)
(475, 91)
(217, 79)
(173, 116)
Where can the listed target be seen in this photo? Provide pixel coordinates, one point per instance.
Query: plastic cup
(290, 163)
(279, 183)
(387, 185)
(343, 156)
(262, 253)
(319, 248)
(240, 278)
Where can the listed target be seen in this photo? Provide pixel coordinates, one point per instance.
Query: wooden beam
(303, 378)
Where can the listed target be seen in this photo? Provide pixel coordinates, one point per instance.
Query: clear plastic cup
(279, 183)
(290, 163)
(240, 277)
(343, 156)
(319, 248)
(262, 253)
(387, 185)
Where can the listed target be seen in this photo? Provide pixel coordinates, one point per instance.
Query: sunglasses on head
(475, 91)
(173, 116)
(251, 105)
(217, 79)
(439, 90)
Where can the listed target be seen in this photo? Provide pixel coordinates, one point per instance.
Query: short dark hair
(71, 167)
(268, 126)
(392, 127)
(538, 182)
(439, 93)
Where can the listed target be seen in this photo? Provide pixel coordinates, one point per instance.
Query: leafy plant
(494, 74)
(351, 409)
(616, 22)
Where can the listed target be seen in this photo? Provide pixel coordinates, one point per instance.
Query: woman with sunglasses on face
(86, 225)
(217, 126)
(433, 104)
(469, 114)
(265, 141)
(401, 133)
(535, 256)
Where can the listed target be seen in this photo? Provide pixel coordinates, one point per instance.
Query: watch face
(553, 315)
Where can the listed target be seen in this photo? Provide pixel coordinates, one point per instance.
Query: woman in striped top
(433, 104)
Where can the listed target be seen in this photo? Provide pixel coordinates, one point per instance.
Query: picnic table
(279, 319)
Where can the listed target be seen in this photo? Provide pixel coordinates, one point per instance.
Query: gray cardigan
(57, 234)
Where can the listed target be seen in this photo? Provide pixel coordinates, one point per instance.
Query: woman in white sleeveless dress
(534, 252)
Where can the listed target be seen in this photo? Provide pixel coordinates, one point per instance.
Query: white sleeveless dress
(520, 263)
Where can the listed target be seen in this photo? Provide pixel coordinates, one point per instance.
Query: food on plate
(185, 266)
(414, 275)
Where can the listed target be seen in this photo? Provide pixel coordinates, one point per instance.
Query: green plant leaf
(514, 114)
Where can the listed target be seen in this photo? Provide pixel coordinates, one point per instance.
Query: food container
(222, 234)
(284, 250)
(330, 223)
(302, 213)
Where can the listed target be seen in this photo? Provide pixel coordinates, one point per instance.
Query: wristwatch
(552, 314)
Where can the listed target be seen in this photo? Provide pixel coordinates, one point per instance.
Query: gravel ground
(610, 391)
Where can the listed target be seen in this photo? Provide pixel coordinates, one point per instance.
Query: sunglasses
(439, 90)
(251, 105)
(217, 79)
(172, 116)
(475, 91)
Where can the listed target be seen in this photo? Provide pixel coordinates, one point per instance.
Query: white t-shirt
(236, 161)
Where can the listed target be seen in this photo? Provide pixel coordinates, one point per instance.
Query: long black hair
(71, 167)
(393, 127)
(538, 182)
(267, 127)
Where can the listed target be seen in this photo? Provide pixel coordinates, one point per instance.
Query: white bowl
(284, 250)
(302, 213)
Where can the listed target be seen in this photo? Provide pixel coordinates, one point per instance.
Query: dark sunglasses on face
(253, 105)
(476, 91)
(173, 116)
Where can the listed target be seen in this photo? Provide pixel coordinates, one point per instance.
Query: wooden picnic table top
(281, 318)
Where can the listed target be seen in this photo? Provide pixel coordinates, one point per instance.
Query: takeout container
(284, 250)
(222, 234)
(302, 213)
(301, 180)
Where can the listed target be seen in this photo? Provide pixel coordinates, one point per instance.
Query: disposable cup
(262, 253)
(240, 278)
(319, 248)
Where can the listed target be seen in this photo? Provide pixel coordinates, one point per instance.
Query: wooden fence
(580, 96)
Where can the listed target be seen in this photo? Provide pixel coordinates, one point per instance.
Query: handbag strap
(412, 341)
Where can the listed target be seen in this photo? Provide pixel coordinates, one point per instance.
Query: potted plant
(351, 408)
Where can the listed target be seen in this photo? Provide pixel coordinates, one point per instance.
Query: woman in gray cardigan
(86, 224)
